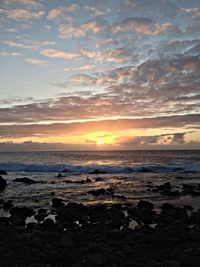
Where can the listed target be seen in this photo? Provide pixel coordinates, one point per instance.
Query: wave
(86, 169)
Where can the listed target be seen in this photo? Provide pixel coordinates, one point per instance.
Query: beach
(114, 208)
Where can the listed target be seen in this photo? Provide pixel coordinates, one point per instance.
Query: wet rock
(19, 215)
(7, 205)
(57, 202)
(40, 217)
(188, 207)
(68, 181)
(98, 179)
(25, 180)
(95, 259)
(48, 224)
(3, 183)
(42, 211)
(102, 191)
(145, 205)
(97, 172)
(191, 189)
(174, 263)
(165, 186)
(2, 172)
(36, 265)
(66, 241)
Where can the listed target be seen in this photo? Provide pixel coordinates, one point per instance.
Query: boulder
(2, 172)
(101, 191)
(3, 183)
(145, 205)
(19, 215)
(25, 180)
(57, 202)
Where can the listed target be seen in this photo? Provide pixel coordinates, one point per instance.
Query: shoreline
(115, 235)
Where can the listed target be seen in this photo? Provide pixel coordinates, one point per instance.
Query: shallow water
(132, 174)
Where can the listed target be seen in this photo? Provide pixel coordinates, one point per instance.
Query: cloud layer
(85, 67)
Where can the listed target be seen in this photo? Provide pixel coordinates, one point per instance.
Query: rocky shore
(116, 235)
(75, 235)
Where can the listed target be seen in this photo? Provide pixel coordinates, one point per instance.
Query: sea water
(131, 174)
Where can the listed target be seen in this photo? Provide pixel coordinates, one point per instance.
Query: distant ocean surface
(131, 174)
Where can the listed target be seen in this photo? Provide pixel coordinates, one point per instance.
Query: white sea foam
(82, 169)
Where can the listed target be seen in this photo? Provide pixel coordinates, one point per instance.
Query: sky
(99, 74)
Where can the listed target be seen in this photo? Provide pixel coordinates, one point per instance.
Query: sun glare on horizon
(100, 142)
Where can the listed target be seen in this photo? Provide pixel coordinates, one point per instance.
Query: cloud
(142, 26)
(31, 45)
(23, 14)
(35, 61)
(92, 26)
(19, 45)
(31, 3)
(150, 9)
(82, 68)
(154, 140)
(119, 55)
(53, 53)
(41, 146)
(97, 12)
(69, 31)
(62, 12)
(9, 54)
(106, 42)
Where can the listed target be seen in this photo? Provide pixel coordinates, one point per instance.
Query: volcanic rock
(25, 180)
(3, 183)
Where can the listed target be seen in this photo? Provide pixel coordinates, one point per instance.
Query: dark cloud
(171, 139)
(35, 146)
(57, 129)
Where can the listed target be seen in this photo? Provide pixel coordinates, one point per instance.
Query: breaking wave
(84, 169)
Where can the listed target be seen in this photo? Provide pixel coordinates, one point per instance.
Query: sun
(100, 142)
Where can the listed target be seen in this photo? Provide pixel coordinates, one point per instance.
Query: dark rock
(97, 172)
(102, 191)
(59, 175)
(42, 211)
(95, 259)
(88, 180)
(19, 215)
(145, 205)
(57, 202)
(188, 207)
(25, 180)
(68, 181)
(7, 205)
(48, 223)
(40, 217)
(3, 183)
(66, 241)
(174, 263)
(2, 172)
(36, 265)
(98, 179)
(165, 186)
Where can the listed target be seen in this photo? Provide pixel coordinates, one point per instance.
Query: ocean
(132, 175)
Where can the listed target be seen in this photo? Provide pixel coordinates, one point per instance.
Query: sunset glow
(82, 75)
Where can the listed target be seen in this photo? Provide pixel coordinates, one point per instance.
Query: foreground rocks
(25, 180)
(2, 172)
(3, 183)
(95, 236)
